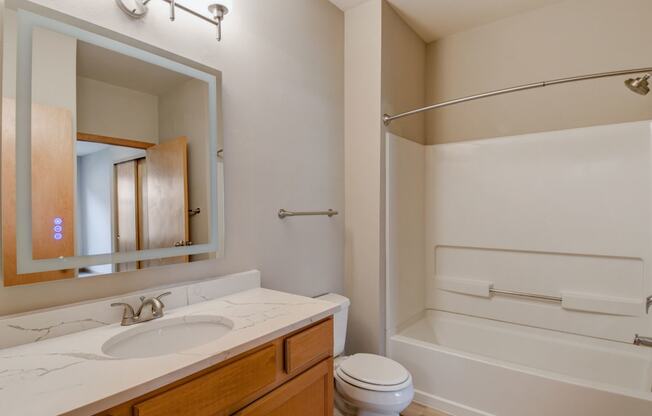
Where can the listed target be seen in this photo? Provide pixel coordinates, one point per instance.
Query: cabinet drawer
(218, 392)
(308, 347)
(309, 394)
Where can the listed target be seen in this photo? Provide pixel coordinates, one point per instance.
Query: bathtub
(470, 366)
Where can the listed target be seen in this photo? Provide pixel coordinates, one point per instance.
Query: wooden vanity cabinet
(310, 393)
(292, 375)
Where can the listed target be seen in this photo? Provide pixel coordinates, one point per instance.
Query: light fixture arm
(172, 10)
(218, 11)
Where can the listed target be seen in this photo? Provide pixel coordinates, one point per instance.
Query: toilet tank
(339, 320)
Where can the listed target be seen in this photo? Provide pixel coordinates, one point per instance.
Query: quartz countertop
(71, 375)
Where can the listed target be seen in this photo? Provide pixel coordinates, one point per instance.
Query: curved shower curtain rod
(387, 119)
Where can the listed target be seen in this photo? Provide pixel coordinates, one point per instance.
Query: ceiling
(105, 65)
(434, 19)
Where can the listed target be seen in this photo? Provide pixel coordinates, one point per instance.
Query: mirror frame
(30, 16)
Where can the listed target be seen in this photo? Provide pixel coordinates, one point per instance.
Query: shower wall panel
(562, 214)
(405, 254)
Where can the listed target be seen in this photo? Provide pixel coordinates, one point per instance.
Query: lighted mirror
(111, 149)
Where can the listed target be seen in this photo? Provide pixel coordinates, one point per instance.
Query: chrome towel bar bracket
(282, 213)
(642, 341)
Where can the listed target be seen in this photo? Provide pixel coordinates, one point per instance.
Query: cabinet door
(310, 394)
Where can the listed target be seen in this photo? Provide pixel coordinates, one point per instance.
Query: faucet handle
(648, 304)
(128, 310)
(163, 295)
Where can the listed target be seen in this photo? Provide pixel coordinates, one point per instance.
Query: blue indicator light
(57, 228)
(58, 221)
(58, 236)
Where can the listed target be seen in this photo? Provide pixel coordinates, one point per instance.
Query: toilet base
(350, 401)
(355, 412)
(342, 409)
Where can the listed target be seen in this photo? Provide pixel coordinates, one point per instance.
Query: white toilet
(366, 384)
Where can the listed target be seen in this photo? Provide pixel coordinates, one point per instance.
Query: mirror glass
(119, 168)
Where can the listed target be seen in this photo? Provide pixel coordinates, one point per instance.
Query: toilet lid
(374, 372)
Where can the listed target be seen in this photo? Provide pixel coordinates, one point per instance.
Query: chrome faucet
(648, 305)
(129, 317)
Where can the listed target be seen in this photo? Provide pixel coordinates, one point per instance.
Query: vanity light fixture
(211, 11)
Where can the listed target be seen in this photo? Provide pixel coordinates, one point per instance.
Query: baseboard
(442, 405)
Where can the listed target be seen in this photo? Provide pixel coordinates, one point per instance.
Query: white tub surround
(71, 375)
(562, 214)
(536, 252)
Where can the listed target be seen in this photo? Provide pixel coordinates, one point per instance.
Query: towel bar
(284, 213)
(569, 300)
(526, 295)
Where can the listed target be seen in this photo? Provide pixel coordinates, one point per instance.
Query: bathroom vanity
(225, 346)
(292, 375)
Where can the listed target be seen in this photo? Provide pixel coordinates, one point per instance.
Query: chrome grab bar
(525, 295)
(282, 213)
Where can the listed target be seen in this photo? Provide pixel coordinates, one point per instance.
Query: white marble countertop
(71, 375)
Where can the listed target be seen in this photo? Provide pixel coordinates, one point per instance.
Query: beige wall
(385, 71)
(362, 175)
(114, 111)
(565, 39)
(403, 75)
(283, 86)
(183, 111)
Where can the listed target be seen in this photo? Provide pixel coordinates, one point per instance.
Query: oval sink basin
(160, 337)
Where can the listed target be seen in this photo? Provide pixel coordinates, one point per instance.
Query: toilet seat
(373, 372)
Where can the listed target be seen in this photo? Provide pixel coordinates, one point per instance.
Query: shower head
(639, 84)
